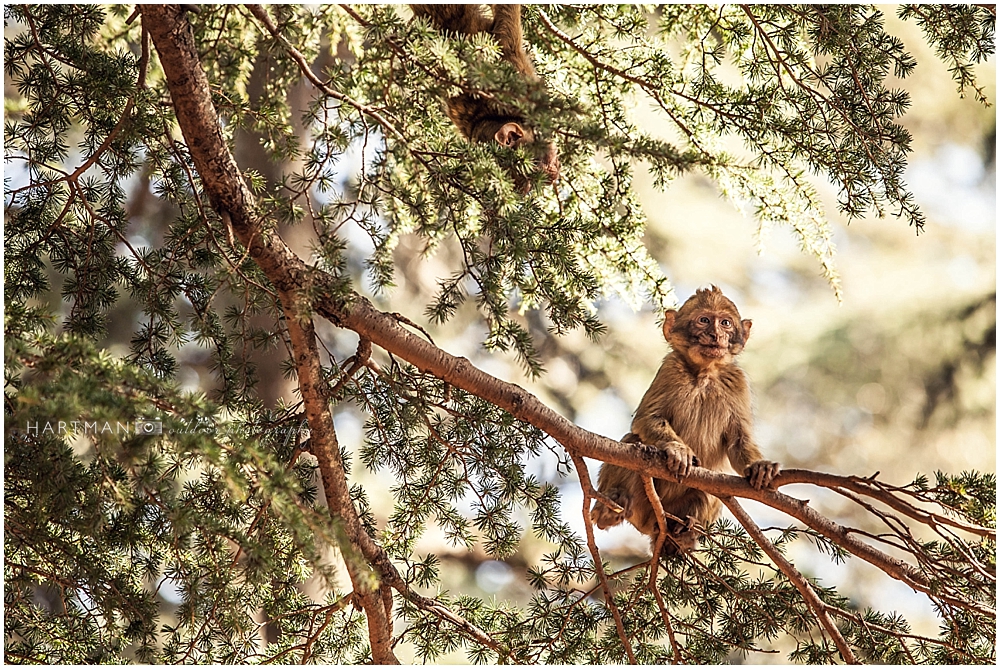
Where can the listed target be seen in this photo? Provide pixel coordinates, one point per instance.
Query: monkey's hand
(760, 474)
(678, 458)
(604, 517)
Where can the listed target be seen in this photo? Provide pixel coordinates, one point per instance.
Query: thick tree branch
(371, 595)
(231, 198)
(196, 115)
(383, 330)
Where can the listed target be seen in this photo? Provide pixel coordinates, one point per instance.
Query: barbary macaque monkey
(697, 411)
(478, 117)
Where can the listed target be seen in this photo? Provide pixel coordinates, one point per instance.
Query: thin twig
(359, 360)
(884, 493)
(588, 488)
(261, 14)
(654, 563)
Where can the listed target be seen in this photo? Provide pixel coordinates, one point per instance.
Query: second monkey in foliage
(480, 118)
(697, 411)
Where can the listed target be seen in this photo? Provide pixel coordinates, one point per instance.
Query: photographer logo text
(141, 426)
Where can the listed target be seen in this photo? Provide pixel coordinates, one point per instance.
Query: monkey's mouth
(713, 351)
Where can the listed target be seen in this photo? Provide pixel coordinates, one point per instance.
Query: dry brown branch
(797, 579)
(661, 523)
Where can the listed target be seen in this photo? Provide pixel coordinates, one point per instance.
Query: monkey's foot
(678, 458)
(760, 474)
(681, 537)
(604, 516)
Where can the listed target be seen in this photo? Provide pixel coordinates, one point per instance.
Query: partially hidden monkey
(481, 118)
(697, 411)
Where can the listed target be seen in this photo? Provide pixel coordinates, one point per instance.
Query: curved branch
(189, 90)
(588, 492)
(654, 562)
(231, 198)
(359, 315)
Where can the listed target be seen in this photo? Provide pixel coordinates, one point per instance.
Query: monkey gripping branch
(955, 571)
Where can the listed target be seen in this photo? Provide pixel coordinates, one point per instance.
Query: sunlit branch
(799, 581)
(292, 276)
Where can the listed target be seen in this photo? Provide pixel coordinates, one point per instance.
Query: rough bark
(232, 200)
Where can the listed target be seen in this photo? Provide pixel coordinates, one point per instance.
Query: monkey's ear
(746, 329)
(510, 134)
(669, 318)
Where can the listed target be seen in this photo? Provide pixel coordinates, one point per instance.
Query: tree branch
(654, 563)
(797, 579)
(323, 438)
(883, 493)
(189, 90)
(383, 330)
(260, 13)
(588, 492)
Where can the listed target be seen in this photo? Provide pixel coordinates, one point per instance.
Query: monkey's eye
(704, 319)
(726, 322)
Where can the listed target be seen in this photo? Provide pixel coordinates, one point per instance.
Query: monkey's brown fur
(697, 410)
(482, 119)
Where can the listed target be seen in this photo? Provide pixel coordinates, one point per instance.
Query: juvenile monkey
(697, 411)
(478, 117)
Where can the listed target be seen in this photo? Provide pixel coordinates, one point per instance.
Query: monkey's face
(707, 329)
(713, 335)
